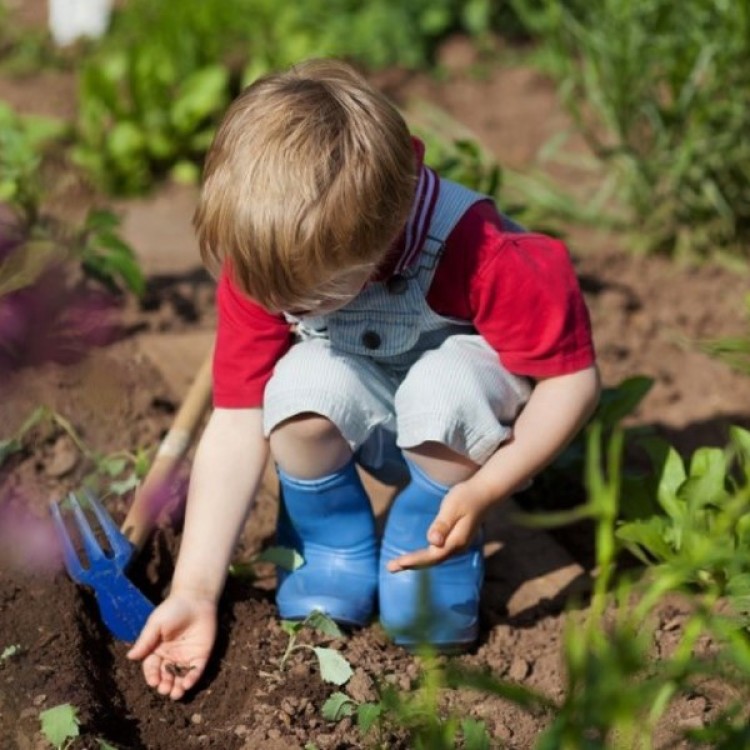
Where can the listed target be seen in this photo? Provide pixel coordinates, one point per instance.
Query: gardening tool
(123, 607)
(144, 512)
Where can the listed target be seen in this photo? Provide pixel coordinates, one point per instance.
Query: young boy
(368, 312)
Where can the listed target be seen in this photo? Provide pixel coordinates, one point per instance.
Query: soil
(647, 316)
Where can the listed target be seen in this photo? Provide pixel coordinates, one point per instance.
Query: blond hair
(310, 176)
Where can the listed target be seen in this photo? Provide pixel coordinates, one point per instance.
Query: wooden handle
(146, 507)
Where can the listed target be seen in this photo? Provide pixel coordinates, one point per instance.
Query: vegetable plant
(334, 668)
(23, 142)
(117, 473)
(60, 725)
(149, 102)
(646, 84)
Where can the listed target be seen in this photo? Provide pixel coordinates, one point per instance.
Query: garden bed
(647, 315)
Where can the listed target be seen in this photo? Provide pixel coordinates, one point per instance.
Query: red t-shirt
(519, 291)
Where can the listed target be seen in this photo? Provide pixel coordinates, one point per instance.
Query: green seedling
(284, 557)
(334, 668)
(107, 467)
(418, 711)
(9, 652)
(60, 725)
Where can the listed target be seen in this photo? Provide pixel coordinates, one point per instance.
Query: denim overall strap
(387, 319)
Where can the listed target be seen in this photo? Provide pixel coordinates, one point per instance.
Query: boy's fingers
(419, 559)
(438, 531)
(146, 643)
(152, 670)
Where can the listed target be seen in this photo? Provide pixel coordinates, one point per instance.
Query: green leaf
(741, 439)
(367, 715)
(337, 707)
(291, 627)
(617, 403)
(8, 448)
(60, 723)
(113, 466)
(284, 557)
(23, 266)
(202, 94)
(125, 486)
(475, 735)
(334, 668)
(649, 536)
(10, 651)
(323, 623)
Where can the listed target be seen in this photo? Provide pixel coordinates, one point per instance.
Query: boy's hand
(452, 531)
(175, 644)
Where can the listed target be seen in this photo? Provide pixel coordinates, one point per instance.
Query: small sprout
(338, 706)
(334, 668)
(104, 745)
(9, 652)
(60, 724)
(284, 557)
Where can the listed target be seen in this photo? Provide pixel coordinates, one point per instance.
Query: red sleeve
(521, 293)
(249, 342)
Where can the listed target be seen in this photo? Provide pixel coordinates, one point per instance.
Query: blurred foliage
(734, 350)
(661, 90)
(25, 50)
(23, 144)
(152, 94)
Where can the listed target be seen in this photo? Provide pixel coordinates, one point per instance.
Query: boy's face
(337, 293)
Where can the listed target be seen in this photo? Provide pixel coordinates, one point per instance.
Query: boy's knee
(305, 428)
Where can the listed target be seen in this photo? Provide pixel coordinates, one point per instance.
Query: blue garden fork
(124, 609)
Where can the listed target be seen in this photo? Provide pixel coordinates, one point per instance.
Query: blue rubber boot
(437, 605)
(329, 521)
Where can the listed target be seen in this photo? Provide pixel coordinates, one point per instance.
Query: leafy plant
(419, 711)
(701, 537)
(107, 467)
(23, 141)
(645, 83)
(60, 725)
(149, 103)
(334, 668)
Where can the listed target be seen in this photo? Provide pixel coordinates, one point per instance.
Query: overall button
(396, 284)
(371, 339)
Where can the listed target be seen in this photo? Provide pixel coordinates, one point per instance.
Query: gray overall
(390, 373)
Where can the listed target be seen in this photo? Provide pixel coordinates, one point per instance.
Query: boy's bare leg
(441, 463)
(308, 446)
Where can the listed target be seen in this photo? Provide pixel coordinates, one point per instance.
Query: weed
(334, 668)
(734, 350)
(60, 725)
(107, 467)
(645, 85)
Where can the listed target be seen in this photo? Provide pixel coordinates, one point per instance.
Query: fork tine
(119, 543)
(94, 551)
(70, 556)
